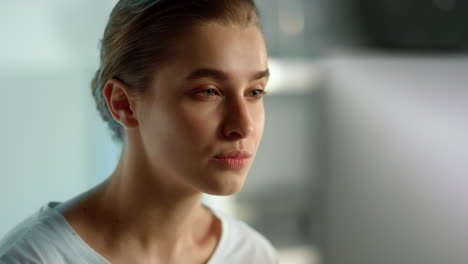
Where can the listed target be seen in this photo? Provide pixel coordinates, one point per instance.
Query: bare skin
(114, 234)
(149, 210)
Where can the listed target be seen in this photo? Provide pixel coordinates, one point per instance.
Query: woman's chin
(226, 186)
(223, 192)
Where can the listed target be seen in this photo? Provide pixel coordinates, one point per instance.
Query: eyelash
(261, 94)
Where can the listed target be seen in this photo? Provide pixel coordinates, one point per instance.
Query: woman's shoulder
(42, 237)
(28, 238)
(241, 243)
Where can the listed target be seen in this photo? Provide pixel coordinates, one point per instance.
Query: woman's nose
(237, 122)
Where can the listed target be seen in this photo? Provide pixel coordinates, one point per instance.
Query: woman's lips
(233, 162)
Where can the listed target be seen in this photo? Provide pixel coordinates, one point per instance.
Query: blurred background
(365, 153)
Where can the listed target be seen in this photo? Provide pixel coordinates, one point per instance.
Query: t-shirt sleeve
(32, 247)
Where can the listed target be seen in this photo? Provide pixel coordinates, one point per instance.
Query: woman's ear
(119, 102)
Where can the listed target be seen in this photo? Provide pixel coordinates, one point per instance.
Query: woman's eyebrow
(207, 73)
(220, 75)
(261, 74)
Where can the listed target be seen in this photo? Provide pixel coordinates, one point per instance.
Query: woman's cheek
(195, 121)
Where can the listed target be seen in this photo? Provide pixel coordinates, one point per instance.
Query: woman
(181, 85)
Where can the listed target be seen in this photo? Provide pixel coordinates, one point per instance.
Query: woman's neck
(151, 212)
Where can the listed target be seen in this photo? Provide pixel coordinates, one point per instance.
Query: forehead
(232, 49)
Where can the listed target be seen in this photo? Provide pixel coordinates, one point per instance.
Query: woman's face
(202, 119)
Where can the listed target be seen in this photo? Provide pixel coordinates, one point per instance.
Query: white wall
(48, 135)
(398, 173)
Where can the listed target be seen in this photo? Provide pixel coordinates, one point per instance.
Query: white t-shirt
(46, 237)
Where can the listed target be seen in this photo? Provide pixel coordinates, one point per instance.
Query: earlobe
(118, 101)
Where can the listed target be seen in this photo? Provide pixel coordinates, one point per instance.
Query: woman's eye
(208, 92)
(257, 93)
